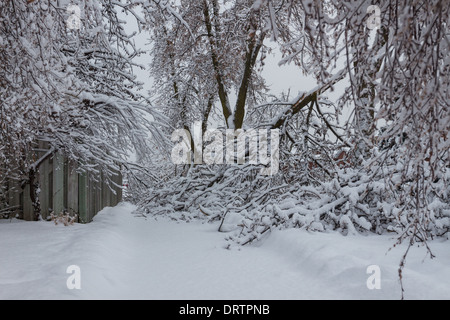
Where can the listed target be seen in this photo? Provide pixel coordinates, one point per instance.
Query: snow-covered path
(124, 257)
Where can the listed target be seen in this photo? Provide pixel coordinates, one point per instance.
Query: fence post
(73, 190)
(58, 184)
(83, 201)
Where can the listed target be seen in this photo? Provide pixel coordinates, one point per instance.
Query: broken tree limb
(306, 99)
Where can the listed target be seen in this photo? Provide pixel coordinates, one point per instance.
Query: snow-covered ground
(125, 257)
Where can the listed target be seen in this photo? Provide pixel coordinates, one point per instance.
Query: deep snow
(122, 256)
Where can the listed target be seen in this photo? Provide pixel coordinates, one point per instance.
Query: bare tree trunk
(252, 54)
(206, 114)
(254, 46)
(34, 193)
(223, 95)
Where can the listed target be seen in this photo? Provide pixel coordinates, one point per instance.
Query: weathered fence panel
(64, 190)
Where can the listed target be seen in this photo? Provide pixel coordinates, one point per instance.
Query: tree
(71, 88)
(383, 168)
(216, 55)
(399, 76)
(397, 81)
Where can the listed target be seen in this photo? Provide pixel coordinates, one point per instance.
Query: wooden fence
(64, 190)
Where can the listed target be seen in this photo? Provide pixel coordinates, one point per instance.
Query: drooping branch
(304, 100)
